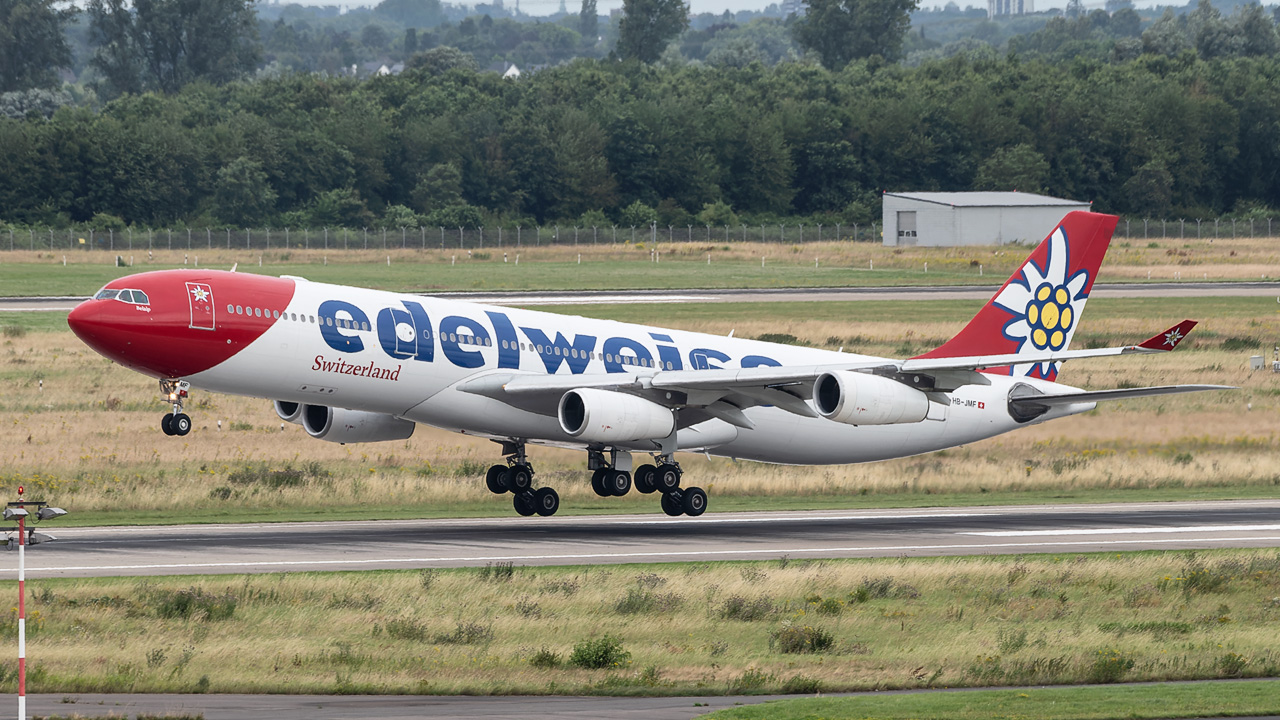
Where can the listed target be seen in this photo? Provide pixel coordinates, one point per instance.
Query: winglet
(1170, 338)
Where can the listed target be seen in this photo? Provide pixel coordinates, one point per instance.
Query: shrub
(193, 602)
(601, 652)
(406, 629)
(498, 572)
(830, 606)
(1109, 666)
(801, 639)
(638, 600)
(466, 633)
(1230, 665)
(1011, 641)
(545, 658)
(737, 607)
(801, 685)
(753, 680)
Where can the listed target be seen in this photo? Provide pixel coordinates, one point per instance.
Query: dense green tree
(242, 196)
(648, 26)
(165, 44)
(1013, 168)
(842, 30)
(33, 43)
(589, 22)
(442, 59)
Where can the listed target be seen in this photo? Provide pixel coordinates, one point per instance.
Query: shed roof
(987, 199)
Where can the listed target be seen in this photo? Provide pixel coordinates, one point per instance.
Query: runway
(634, 297)
(594, 540)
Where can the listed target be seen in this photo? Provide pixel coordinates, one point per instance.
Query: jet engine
(604, 416)
(857, 398)
(289, 411)
(352, 426)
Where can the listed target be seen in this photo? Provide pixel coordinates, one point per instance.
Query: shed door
(906, 227)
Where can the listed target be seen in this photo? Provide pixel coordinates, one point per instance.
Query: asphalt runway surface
(609, 297)
(595, 540)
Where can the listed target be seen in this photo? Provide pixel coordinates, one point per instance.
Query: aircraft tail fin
(1038, 308)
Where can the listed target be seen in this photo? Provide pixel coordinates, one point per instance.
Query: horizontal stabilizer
(1117, 394)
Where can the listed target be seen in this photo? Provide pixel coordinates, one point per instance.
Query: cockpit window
(134, 297)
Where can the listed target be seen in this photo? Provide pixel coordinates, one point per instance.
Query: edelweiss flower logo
(1045, 304)
(1172, 338)
(200, 293)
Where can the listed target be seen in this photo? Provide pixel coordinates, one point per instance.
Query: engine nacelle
(353, 426)
(604, 416)
(861, 399)
(289, 411)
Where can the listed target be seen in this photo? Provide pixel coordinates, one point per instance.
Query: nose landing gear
(177, 422)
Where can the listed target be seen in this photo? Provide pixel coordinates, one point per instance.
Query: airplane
(355, 365)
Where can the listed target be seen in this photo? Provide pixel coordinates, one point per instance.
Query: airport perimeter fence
(420, 238)
(440, 238)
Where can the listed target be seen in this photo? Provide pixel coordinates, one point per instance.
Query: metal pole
(22, 614)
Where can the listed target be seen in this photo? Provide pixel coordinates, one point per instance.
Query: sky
(547, 7)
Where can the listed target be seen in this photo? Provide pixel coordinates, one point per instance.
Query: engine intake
(604, 416)
(857, 398)
(353, 426)
(289, 411)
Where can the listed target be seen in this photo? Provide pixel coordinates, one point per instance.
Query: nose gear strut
(177, 422)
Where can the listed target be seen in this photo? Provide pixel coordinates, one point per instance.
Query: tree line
(599, 142)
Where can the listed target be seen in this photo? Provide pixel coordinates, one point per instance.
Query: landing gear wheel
(545, 501)
(617, 482)
(519, 478)
(523, 503)
(671, 504)
(597, 482)
(165, 424)
(645, 477)
(495, 479)
(694, 502)
(667, 478)
(180, 424)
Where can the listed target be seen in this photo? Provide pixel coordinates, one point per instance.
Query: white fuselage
(406, 355)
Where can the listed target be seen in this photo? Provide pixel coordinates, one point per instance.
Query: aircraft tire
(694, 502)
(618, 482)
(180, 424)
(597, 482)
(671, 505)
(523, 503)
(495, 479)
(644, 478)
(667, 478)
(519, 478)
(166, 424)
(546, 501)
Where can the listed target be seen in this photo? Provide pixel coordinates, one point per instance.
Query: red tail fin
(1039, 306)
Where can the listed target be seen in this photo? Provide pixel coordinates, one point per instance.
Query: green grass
(1209, 699)
(28, 279)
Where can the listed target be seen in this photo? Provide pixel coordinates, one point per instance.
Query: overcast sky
(547, 7)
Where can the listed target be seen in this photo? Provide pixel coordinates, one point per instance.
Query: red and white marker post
(22, 611)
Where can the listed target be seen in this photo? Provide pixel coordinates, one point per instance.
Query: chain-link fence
(189, 238)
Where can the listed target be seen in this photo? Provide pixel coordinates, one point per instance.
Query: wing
(725, 393)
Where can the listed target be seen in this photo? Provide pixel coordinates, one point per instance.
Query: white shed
(943, 219)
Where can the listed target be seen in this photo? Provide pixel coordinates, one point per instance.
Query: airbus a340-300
(355, 365)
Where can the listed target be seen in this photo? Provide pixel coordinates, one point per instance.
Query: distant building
(793, 7)
(941, 219)
(1009, 7)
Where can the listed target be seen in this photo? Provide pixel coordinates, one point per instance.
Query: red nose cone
(83, 321)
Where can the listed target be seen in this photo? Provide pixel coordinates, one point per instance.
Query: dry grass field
(774, 626)
(83, 432)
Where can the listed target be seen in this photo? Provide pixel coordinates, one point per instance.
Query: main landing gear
(176, 422)
(610, 479)
(516, 477)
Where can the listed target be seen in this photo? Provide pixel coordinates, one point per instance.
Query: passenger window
(239, 310)
(275, 314)
(231, 308)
